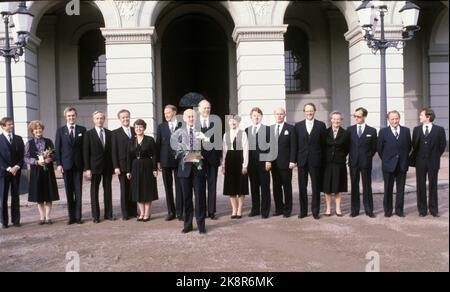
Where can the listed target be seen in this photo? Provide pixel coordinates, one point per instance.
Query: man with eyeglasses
(363, 146)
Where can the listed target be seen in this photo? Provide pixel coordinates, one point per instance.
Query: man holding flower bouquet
(191, 170)
(39, 154)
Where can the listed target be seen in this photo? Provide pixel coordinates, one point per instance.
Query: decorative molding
(127, 9)
(262, 11)
(129, 36)
(355, 35)
(259, 33)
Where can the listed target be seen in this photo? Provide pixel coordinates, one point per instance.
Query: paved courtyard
(249, 244)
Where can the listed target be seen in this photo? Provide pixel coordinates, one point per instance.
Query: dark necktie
(427, 132)
(10, 140)
(359, 132)
(191, 139)
(72, 133)
(102, 138)
(278, 132)
(396, 133)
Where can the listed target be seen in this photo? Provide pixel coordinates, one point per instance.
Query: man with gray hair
(98, 165)
(394, 146)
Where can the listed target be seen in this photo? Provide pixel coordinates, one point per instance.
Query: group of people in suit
(189, 153)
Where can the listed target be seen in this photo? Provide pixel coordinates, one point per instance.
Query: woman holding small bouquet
(43, 189)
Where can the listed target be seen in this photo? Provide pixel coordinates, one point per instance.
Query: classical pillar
(25, 87)
(260, 69)
(365, 77)
(130, 74)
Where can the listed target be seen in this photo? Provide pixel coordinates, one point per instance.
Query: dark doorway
(194, 58)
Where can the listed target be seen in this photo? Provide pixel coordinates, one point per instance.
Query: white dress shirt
(278, 132)
(127, 131)
(430, 125)
(393, 130)
(309, 125)
(363, 127)
(203, 120)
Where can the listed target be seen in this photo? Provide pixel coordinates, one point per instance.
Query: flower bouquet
(42, 155)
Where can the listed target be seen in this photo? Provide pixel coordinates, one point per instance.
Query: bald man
(212, 157)
(192, 175)
(285, 162)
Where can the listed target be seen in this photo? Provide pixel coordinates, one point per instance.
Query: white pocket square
(368, 135)
(81, 134)
(286, 132)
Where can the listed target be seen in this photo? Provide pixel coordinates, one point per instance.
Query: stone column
(130, 74)
(260, 69)
(365, 76)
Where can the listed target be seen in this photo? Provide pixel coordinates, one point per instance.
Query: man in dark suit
(168, 164)
(363, 146)
(192, 174)
(260, 163)
(394, 146)
(98, 165)
(69, 159)
(212, 155)
(285, 162)
(310, 149)
(429, 143)
(11, 162)
(120, 138)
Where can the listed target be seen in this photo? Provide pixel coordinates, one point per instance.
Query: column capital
(129, 35)
(355, 35)
(259, 33)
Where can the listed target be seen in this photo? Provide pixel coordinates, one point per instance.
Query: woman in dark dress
(39, 154)
(234, 166)
(336, 141)
(142, 170)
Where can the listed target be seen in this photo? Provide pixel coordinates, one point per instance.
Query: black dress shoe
(339, 214)
(327, 215)
(401, 215)
(388, 215)
(49, 222)
(170, 217)
(186, 230)
(238, 216)
(277, 214)
(286, 215)
(79, 222)
(301, 216)
(353, 215)
(70, 222)
(180, 218)
(371, 215)
(139, 219)
(213, 217)
(96, 221)
(110, 219)
(422, 215)
(254, 214)
(146, 219)
(436, 215)
(202, 231)
(316, 217)
(265, 216)
(41, 222)
(233, 217)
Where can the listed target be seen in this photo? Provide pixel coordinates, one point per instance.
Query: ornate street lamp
(369, 15)
(22, 20)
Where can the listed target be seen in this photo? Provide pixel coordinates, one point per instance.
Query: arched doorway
(193, 54)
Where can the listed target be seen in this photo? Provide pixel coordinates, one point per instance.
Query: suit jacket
(257, 152)
(310, 147)
(119, 147)
(393, 151)
(11, 154)
(438, 143)
(287, 145)
(185, 169)
(212, 157)
(166, 155)
(362, 149)
(336, 150)
(68, 153)
(96, 158)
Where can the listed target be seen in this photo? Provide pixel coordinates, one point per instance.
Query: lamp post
(369, 15)
(22, 20)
